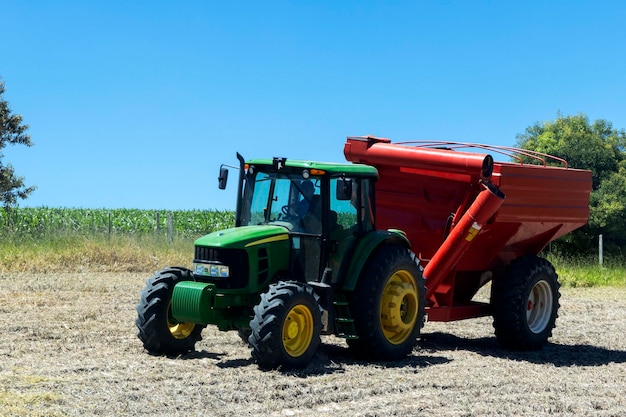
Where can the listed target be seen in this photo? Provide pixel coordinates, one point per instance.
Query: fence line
(600, 250)
(47, 222)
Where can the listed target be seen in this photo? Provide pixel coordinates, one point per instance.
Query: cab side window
(344, 210)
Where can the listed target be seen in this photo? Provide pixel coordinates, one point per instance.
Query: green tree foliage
(609, 204)
(600, 148)
(12, 132)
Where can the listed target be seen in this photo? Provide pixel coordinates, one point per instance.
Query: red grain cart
(473, 221)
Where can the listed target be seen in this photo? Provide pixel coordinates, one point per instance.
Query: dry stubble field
(68, 348)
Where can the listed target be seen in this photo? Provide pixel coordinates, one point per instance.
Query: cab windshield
(278, 197)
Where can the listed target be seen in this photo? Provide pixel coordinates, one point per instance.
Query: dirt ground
(68, 347)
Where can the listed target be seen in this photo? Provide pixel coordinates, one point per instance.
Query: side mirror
(344, 189)
(223, 178)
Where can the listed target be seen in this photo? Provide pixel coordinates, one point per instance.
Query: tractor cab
(322, 208)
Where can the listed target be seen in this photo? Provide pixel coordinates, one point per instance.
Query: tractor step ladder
(344, 324)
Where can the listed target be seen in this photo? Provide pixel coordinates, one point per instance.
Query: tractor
(367, 250)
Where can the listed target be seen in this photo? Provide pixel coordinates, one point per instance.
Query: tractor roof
(329, 167)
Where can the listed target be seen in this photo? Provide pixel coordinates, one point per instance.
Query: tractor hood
(243, 237)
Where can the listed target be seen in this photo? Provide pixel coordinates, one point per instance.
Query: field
(128, 240)
(70, 280)
(68, 348)
(47, 223)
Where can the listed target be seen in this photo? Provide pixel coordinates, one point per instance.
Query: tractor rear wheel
(388, 305)
(525, 303)
(159, 331)
(286, 326)
(244, 335)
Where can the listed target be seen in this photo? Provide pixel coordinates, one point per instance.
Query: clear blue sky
(136, 103)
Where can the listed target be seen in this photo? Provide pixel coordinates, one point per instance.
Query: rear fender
(364, 249)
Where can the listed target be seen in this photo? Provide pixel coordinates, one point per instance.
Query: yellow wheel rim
(298, 330)
(178, 330)
(398, 307)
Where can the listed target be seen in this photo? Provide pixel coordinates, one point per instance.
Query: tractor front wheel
(388, 305)
(286, 326)
(159, 331)
(525, 303)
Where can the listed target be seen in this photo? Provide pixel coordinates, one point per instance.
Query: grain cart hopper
(472, 220)
(322, 248)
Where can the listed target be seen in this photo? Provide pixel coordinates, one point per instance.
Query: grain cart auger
(321, 248)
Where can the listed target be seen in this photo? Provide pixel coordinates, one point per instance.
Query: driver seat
(312, 220)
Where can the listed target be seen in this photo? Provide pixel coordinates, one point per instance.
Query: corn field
(46, 222)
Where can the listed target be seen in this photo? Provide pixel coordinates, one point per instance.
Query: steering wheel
(288, 212)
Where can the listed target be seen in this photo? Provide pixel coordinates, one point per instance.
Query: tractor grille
(236, 259)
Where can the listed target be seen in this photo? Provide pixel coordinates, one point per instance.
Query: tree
(12, 132)
(609, 203)
(595, 146)
(600, 148)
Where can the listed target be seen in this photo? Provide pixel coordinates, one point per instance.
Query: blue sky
(137, 103)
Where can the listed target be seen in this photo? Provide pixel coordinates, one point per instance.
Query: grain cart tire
(388, 305)
(525, 303)
(286, 326)
(160, 333)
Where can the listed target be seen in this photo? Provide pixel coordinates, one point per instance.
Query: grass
(17, 402)
(101, 240)
(129, 240)
(75, 253)
(142, 252)
(587, 272)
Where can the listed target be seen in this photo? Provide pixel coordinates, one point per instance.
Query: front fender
(366, 245)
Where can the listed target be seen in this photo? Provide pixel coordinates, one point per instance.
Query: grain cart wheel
(525, 303)
(286, 326)
(388, 305)
(160, 332)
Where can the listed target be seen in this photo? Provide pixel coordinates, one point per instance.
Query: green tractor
(303, 260)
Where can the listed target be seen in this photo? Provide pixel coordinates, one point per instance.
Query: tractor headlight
(211, 270)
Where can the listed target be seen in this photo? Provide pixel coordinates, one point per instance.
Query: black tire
(286, 326)
(525, 303)
(244, 335)
(160, 333)
(388, 305)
